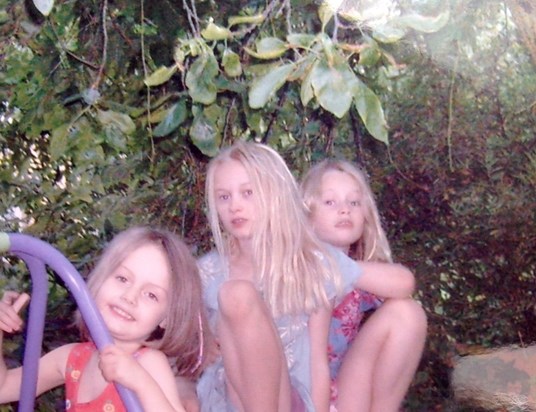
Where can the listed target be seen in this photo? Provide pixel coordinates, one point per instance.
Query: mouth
(344, 224)
(121, 313)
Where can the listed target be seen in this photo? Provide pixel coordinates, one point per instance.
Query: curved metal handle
(36, 254)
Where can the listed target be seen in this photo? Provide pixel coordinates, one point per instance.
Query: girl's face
(234, 199)
(134, 298)
(338, 214)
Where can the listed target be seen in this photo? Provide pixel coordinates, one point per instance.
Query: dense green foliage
(110, 111)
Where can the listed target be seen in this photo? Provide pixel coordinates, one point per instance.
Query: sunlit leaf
(370, 110)
(176, 115)
(325, 13)
(263, 88)
(268, 48)
(215, 32)
(44, 6)
(256, 19)
(425, 24)
(160, 76)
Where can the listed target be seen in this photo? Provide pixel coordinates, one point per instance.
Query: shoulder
(153, 359)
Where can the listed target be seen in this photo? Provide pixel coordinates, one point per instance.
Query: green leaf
(268, 48)
(160, 76)
(256, 19)
(306, 89)
(231, 63)
(388, 34)
(205, 134)
(301, 40)
(370, 110)
(333, 85)
(58, 142)
(263, 88)
(176, 115)
(215, 32)
(325, 13)
(370, 55)
(121, 121)
(200, 79)
(425, 24)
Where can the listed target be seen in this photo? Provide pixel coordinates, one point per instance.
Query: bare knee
(237, 299)
(407, 313)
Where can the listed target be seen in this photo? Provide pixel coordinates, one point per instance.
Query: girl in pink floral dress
(370, 370)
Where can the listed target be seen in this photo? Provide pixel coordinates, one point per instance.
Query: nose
(235, 204)
(344, 209)
(129, 296)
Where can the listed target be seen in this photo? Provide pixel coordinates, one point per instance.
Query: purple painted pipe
(37, 253)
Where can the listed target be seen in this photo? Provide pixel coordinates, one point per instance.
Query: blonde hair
(373, 244)
(290, 261)
(186, 326)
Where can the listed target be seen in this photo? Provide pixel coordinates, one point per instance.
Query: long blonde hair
(186, 325)
(292, 267)
(373, 244)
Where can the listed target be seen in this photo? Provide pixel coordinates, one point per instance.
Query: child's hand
(118, 366)
(10, 305)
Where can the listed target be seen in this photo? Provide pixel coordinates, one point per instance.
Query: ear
(163, 323)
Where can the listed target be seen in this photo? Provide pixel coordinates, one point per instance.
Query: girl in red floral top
(370, 370)
(148, 291)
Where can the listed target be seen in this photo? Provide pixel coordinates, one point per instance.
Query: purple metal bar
(37, 253)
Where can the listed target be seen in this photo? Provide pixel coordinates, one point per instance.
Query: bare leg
(253, 358)
(380, 364)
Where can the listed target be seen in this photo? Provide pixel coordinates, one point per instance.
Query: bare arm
(187, 393)
(150, 377)
(387, 280)
(320, 379)
(51, 366)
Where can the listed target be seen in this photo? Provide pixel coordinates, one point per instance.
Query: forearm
(320, 387)
(152, 398)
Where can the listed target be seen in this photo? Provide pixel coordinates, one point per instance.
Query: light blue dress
(211, 388)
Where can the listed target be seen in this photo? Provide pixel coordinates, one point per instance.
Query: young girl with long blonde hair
(269, 286)
(370, 370)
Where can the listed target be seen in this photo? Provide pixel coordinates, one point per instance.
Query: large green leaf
(205, 134)
(370, 110)
(200, 79)
(175, 116)
(263, 88)
(333, 85)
